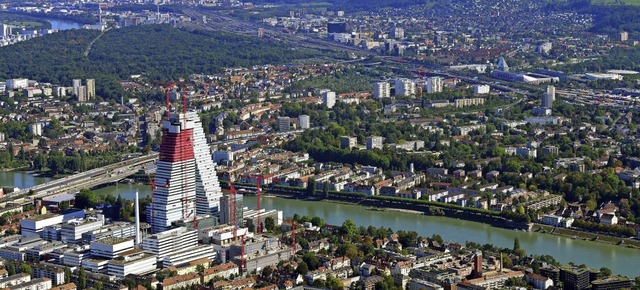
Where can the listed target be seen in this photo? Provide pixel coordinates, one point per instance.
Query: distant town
(502, 113)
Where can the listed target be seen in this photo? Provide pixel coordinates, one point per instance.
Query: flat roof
(113, 241)
(60, 197)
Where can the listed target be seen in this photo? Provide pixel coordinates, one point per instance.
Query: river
(595, 255)
(61, 24)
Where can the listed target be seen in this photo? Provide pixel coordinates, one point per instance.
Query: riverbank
(408, 207)
(586, 236)
(378, 205)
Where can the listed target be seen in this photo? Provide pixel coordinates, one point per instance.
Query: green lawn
(27, 24)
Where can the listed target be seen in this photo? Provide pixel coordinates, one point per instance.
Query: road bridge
(87, 179)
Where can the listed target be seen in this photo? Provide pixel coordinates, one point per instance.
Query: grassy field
(616, 2)
(27, 24)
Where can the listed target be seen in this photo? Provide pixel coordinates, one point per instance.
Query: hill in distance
(159, 51)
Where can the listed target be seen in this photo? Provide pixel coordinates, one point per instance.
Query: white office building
(177, 246)
(185, 175)
(381, 90)
(208, 191)
(434, 85)
(72, 231)
(132, 262)
(109, 248)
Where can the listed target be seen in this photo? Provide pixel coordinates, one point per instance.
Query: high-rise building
(77, 83)
(208, 191)
(81, 93)
(374, 142)
(175, 180)
(397, 33)
(434, 85)
(225, 213)
(551, 90)
(304, 121)
(329, 99)
(91, 88)
(381, 90)
(405, 87)
(5, 30)
(624, 36)
(547, 101)
(284, 124)
(186, 180)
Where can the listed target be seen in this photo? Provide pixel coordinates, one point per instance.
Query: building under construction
(186, 184)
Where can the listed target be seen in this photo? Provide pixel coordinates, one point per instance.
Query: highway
(87, 179)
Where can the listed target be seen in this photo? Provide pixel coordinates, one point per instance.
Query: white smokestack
(137, 208)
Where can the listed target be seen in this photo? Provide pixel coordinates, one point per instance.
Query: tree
(605, 272)
(516, 244)
(311, 186)
(200, 268)
(348, 229)
(25, 268)
(82, 278)
(317, 221)
(86, 199)
(67, 275)
(311, 260)
(325, 189)
(269, 224)
(98, 285)
(303, 268)
(334, 283)
(11, 268)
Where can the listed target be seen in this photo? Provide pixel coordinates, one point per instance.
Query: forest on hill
(161, 52)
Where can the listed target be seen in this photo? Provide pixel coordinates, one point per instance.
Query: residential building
(347, 142)
(481, 89)
(461, 103)
(434, 85)
(574, 278)
(381, 90)
(181, 281)
(35, 284)
(329, 99)
(624, 36)
(611, 283)
(284, 124)
(405, 87)
(547, 101)
(91, 89)
(374, 142)
(304, 121)
(538, 281)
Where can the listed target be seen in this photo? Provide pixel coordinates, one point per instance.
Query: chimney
(137, 209)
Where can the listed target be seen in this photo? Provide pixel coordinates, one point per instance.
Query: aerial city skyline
(334, 144)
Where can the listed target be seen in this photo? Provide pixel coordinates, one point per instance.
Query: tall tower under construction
(186, 183)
